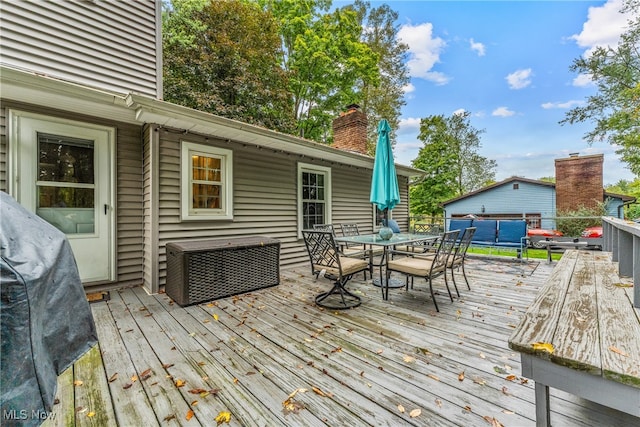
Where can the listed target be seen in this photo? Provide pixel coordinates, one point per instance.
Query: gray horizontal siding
(105, 44)
(265, 203)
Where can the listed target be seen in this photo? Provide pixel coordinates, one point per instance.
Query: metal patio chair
(428, 266)
(331, 264)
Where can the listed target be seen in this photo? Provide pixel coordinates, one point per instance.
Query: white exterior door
(62, 171)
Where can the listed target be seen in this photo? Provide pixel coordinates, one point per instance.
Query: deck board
(372, 365)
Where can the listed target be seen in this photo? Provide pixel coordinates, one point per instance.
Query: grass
(533, 253)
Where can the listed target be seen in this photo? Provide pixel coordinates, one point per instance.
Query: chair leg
(433, 297)
(453, 277)
(464, 273)
(446, 283)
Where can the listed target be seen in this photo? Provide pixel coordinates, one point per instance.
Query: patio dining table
(395, 240)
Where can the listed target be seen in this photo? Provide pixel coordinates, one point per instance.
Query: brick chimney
(350, 130)
(579, 181)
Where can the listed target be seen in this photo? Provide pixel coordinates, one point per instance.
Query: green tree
(615, 108)
(224, 57)
(384, 100)
(326, 59)
(451, 161)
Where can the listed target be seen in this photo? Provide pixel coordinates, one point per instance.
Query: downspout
(621, 207)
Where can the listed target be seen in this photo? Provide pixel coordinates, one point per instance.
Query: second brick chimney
(350, 130)
(579, 182)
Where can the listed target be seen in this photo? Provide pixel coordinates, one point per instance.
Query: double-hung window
(314, 196)
(207, 182)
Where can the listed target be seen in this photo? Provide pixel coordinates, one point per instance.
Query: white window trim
(326, 171)
(189, 214)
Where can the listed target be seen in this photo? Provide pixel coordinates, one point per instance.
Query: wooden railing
(622, 239)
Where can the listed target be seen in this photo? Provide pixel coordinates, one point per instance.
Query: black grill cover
(45, 318)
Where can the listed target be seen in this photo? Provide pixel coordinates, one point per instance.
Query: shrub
(572, 223)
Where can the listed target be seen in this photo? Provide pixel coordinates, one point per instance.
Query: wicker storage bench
(205, 270)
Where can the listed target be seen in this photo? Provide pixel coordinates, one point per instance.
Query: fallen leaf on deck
(319, 392)
(167, 365)
(401, 409)
(77, 383)
(467, 408)
(134, 378)
(113, 377)
(91, 414)
(409, 359)
(508, 412)
(439, 403)
(379, 351)
(433, 377)
(189, 415)
(223, 417)
(127, 385)
(479, 380)
(482, 356)
(194, 403)
(617, 350)
(146, 373)
(544, 346)
(461, 376)
(180, 383)
(499, 370)
(511, 377)
(197, 390)
(623, 285)
(492, 421)
(169, 417)
(336, 350)
(415, 413)
(505, 392)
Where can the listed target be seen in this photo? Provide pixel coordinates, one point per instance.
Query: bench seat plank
(576, 340)
(541, 319)
(620, 343)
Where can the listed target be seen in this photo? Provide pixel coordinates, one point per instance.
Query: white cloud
(583, 80)
(502, 112)
(603, 27)
(565, 105)
(478, 47)
(424, 51)
(519, 79)
(408, 88)
(459, 112)
(409, 125)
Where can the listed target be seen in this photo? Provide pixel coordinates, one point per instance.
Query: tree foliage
(451, 161)
(615, 108)
(224, 57)
(326, 59)
(628, 188)
(385, 100)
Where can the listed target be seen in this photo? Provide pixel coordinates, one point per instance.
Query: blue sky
(507, 63)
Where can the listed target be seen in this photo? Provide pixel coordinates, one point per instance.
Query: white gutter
(36, 89)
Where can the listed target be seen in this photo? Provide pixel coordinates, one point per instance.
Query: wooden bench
(582, 335)
(555, 246)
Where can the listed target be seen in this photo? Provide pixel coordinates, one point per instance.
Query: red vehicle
(592, 232)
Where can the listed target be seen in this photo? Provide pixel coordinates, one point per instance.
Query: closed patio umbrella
(384, 182)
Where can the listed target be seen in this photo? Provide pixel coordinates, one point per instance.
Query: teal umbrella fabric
(384, 182)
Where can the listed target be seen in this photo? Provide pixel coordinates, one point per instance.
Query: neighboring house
(87, 143)
(578, 183)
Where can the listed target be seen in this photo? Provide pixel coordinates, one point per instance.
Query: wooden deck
(272, 357)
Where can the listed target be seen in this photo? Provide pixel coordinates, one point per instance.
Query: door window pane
(64, 159)
(66, 183)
